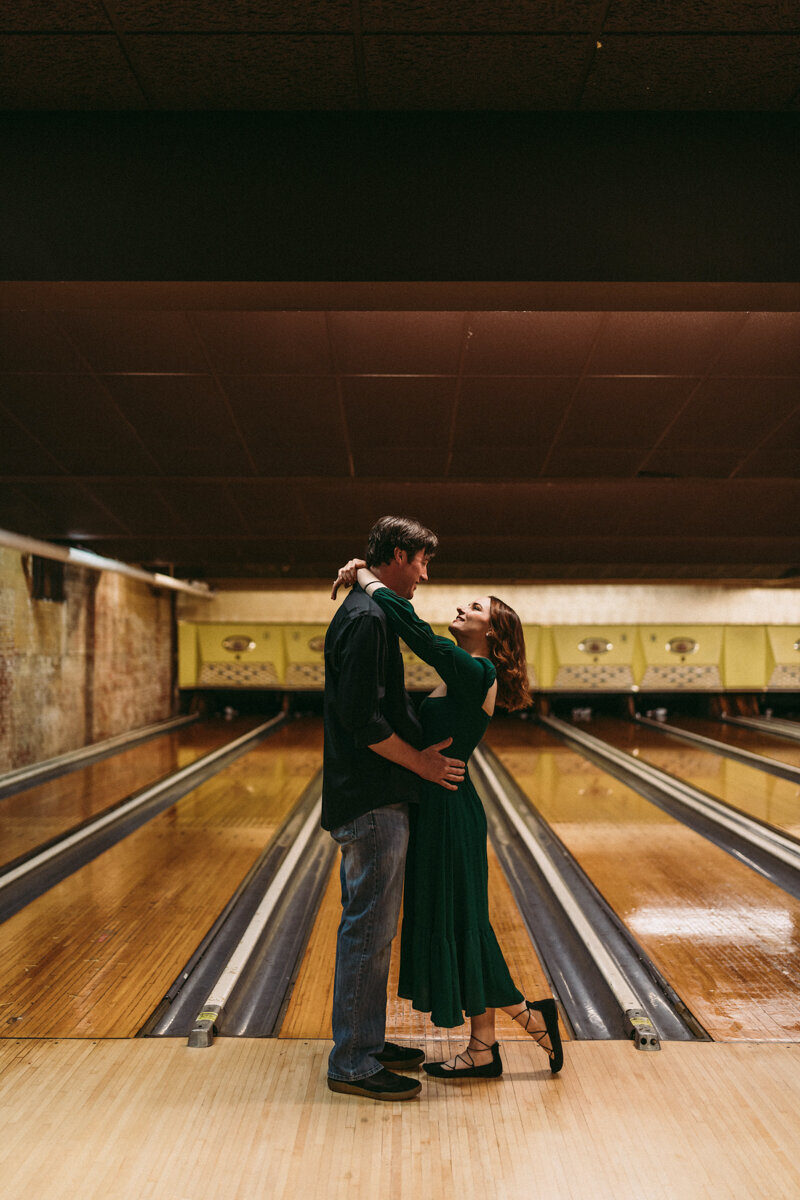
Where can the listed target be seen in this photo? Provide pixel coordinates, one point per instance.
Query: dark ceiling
(368, 55)
(604, 444)
(561, 433)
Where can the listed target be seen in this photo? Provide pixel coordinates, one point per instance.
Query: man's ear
(400, 556)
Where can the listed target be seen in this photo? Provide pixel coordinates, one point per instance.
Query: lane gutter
(36, 872)
(764, 848)
(772, 766)
(23, 778)
(608, 986)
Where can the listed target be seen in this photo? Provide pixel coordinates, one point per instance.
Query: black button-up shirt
(365, 702)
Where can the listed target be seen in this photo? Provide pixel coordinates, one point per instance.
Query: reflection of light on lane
(724, 924)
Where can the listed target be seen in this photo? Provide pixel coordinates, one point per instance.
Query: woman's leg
(482, 1035)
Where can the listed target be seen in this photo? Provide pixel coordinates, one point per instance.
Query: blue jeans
(373, 863)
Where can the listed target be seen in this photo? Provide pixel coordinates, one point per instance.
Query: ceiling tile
(399, 427)
(470, 72)
(675, 16)
(134, 341)
(21, 454)
(204, 508)
(259, 343)
(184, 422)
(772, 462)
(530, 343)
(497, 411)
(68, 510)
(275, 508)
(54, 16)
(292, 424)
(248, 71)
(30, 341)
(592, 463)
(694, 72)
(72, 71)
(255, 16)
(769, 344)
(20, 513)
(733, 414)
(661, 343)
(623, 413)
(138, 505)
(705, 464)
(497, 462)
(496, 16)
(786, 435)
(397, 343)
(74, 419)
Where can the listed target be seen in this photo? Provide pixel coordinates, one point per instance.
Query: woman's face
(472, 619)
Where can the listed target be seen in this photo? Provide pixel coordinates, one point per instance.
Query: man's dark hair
(398, 533)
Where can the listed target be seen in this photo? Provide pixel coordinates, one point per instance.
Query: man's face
(409, 572)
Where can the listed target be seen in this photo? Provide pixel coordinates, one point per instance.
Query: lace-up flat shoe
(400, 1058)
(490, 1070)
(383, 1085)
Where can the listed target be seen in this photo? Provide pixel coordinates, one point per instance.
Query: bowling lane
(740, 738)
(94, 956)
(725, 938)
(309, 1012)
(753, 791)
(29, 818)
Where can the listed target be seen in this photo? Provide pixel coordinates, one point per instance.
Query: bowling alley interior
(530, 275)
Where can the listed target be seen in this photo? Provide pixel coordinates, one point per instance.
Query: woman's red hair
(507, 652)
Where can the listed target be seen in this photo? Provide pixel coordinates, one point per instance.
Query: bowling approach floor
(91, 1110)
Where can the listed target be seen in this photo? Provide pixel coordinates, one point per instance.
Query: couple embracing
(404, 812)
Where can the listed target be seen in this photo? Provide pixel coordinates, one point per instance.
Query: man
(374, 758)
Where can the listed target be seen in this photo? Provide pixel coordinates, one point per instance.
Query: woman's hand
(347, 575)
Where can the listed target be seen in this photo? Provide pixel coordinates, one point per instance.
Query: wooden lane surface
(29, 818)
(726, 939)
(738, 737)
(753, 791)
(309, 1011)
(150, 1119)
(93, 956)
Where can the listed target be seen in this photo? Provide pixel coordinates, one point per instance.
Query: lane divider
(777, 726)
(631, 1004)
(37, 861)
(25, 777)
(205, 1025)
(756, 833)
(761, 762)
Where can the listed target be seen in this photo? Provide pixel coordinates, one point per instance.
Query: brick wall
(76, 672)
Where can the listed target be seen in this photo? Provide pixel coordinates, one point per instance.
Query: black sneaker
(383, 1085)
(400, 1058)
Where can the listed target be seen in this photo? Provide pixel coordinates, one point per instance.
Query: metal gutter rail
(760, 761)
(777, 726)
(206, 1022)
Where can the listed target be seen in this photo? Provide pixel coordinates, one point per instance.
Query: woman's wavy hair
(507, 652)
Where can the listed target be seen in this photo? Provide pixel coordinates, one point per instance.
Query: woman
(450, 962)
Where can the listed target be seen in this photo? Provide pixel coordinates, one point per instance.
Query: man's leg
(373, 860)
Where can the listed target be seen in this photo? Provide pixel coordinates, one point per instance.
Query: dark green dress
(450, 963)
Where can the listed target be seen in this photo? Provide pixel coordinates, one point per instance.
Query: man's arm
(428, 764)
(359, 695)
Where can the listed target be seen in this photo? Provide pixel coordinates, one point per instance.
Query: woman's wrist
(366, 579)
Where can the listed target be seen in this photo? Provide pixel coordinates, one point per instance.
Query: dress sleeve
(458, 669)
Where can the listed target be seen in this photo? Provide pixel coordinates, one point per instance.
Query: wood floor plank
(727, 939)
(93, 956)
(153, 1120)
